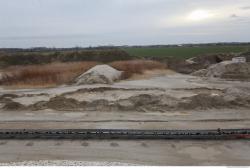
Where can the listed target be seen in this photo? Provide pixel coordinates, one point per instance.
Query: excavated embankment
(121, 99)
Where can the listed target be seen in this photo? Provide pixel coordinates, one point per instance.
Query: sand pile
(196, 63)
(100, 74)
(210, 59)
(226, 69)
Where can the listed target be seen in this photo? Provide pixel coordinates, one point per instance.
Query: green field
(184, 52)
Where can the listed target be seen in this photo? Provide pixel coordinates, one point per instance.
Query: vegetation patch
(184, 52)
(45, 57)
(136, 66)
(44, 75)
(53, 74)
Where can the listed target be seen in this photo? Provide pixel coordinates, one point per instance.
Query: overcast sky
(70, 23)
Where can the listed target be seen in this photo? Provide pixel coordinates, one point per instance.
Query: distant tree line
(28, 58)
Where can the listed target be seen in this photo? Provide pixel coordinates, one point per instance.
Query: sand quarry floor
(140, 152)
(170, 101)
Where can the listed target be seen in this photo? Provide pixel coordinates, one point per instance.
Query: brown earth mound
(13, 106)
(106, 99)
(227, 70)
(246, 55)
(201, 62)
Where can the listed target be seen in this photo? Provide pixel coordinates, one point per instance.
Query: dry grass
(44, 75)
(151, 74)
(33, 76)
(136, 66)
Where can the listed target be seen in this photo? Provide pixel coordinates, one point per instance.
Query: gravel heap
(100, 74)
(226, 69)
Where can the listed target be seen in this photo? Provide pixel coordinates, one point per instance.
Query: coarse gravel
(65, 163)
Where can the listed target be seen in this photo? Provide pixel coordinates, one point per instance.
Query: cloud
(97, 22)
(245, 8)
(234, 16)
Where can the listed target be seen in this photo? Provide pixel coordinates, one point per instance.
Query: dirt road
(203, 119)
(133, 152)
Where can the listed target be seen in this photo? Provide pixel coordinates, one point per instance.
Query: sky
(83, 23)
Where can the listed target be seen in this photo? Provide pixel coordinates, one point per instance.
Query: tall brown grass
(136, 66)
(53, 74)
(44, 75)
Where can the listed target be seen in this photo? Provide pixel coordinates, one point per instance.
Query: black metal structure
(222, 134)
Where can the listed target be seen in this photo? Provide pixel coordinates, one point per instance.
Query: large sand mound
(100, 74)
(226, 69)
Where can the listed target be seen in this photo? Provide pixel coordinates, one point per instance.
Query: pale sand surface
(126, 152)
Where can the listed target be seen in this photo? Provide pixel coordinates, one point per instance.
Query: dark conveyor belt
(222, 134)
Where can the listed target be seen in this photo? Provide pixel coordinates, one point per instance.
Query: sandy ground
(65, 163)
(171, 81)
(148, 74)
(158, 100)
(166, 93)
(206, 119)
(130, 152)
(179, 87)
